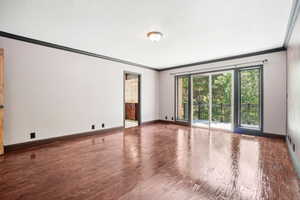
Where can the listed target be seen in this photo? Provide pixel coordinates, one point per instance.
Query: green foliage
(250, 81)
(222, 96)
(250, 86)
(185, 89)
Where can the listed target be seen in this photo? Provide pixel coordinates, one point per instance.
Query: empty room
(149, 100)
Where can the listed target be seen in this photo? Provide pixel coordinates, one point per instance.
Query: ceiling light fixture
(154, 36)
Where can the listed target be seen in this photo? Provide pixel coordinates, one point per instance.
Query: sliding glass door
(201, 100)
(221, 98)
(212, 100)
(249, 100)
(182, 99)
(230, 100)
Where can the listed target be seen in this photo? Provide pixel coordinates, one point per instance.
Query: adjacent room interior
(132, 99)
(136, 100)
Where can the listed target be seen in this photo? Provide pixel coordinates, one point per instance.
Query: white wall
(293, 61)
(55, 93)
(274, 89)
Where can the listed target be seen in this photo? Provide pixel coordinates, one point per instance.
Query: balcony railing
(250, 113)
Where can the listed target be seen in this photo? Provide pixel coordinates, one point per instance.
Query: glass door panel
(250, 99)
(182, 110)
(201, 100)
(206, 100)
(221, 86)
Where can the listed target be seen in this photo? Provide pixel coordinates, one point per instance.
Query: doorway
(132, 100)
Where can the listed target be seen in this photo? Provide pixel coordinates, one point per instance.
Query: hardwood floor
(156, 161)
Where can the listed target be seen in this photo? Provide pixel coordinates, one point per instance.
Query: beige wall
(54, 92)
(274, 89)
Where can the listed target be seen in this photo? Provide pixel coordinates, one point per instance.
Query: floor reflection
(158, 161)
(210, 165)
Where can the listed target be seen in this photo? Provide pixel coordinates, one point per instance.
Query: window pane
(183, 98)
(221, 100)
(250, 98)
(201, 100)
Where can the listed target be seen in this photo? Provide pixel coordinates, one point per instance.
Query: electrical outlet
(103, 125)
(32, 135)
(93, 127)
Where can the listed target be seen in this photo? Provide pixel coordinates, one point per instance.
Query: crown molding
(61, 47)
(56, 46)
(226, 58)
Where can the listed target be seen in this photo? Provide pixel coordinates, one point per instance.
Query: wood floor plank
(157, 161)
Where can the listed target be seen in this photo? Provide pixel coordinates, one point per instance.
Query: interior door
(1, 100)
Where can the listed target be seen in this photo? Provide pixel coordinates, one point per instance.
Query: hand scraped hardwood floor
(157, 162)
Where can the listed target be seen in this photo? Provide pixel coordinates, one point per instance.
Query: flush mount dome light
(154, 36)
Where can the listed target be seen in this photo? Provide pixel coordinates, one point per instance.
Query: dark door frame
(139, 96)
(237, 92)
(178, 121)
